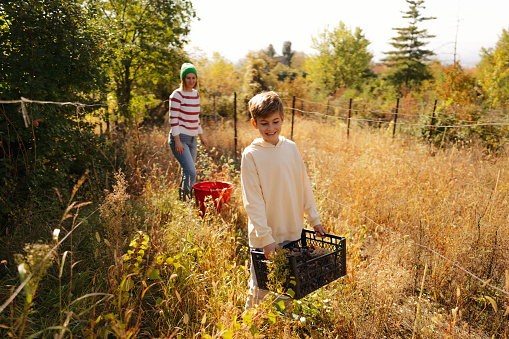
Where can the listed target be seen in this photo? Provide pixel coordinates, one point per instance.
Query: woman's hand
(203, 140)
(179, 146)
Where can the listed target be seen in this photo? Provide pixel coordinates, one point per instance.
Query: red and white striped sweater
(185, 113)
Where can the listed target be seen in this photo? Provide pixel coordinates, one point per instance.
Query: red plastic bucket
(217, 191)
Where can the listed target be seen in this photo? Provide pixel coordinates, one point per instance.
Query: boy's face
(269, 127)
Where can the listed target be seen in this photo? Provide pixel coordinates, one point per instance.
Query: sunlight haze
(233, 28)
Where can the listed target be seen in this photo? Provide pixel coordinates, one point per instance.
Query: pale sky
(234, 27)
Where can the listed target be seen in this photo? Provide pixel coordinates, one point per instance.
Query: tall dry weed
(116, 215)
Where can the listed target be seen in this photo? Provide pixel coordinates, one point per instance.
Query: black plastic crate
(309, 274)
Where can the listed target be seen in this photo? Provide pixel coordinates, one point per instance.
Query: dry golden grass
(404, 208)
(403, 205)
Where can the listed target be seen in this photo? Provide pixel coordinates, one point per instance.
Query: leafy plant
(279, 272)
(32, 263)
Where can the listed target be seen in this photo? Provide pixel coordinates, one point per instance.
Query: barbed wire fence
(353, 112)
(390, 117)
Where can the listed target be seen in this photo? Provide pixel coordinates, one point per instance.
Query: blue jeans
(186, 160)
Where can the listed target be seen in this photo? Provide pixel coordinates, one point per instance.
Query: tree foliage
(271, 51)
(457, 91)
(219, 76)
(288, 53)
(145, 39)
(257, 73)
(493, 71)
(408, 60)
(459, 99)
(343, 58)
(49, 53)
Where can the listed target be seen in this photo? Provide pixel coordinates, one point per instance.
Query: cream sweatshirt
(276, 192)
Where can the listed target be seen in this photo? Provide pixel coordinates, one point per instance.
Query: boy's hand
(267, 250)
(319, 230)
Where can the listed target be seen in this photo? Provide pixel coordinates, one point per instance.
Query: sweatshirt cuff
(313, 217)
(315, 222)
(262, 242)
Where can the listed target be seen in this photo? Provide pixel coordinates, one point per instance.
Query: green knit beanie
(187, 68)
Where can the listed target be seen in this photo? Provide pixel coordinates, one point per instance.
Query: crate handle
(303, 235)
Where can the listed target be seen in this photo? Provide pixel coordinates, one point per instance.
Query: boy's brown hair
(264, 104)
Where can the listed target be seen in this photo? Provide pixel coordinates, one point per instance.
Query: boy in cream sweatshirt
(275, 186)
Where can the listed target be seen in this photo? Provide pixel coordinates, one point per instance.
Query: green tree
(49, 53)
(219, 76)
(271, 51)
(257, 73)
(145, 38)
(493, 71)
(219, 79)
(288, 53)
(407, 62)
(49, 50)
(343, 58)
(457, 92)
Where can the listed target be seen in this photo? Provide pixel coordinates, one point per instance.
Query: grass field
(427, 246)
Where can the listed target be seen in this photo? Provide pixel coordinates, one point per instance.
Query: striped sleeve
(175, 102)
(185, 113)
(200, 131)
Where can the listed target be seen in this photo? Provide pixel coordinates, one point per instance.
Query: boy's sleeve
(310, 210)
(260, 234)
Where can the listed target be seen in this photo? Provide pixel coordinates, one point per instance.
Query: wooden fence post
(215, 113)
(326, 110)
(107, 118)
(432, 120)
(293, 114)
(349, 116)
(235, 123)
(395, 118)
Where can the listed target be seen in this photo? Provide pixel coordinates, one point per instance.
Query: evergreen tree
(271, 51)
(408, 61)
(287, 52)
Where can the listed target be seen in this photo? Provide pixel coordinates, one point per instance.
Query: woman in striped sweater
(186, 127)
